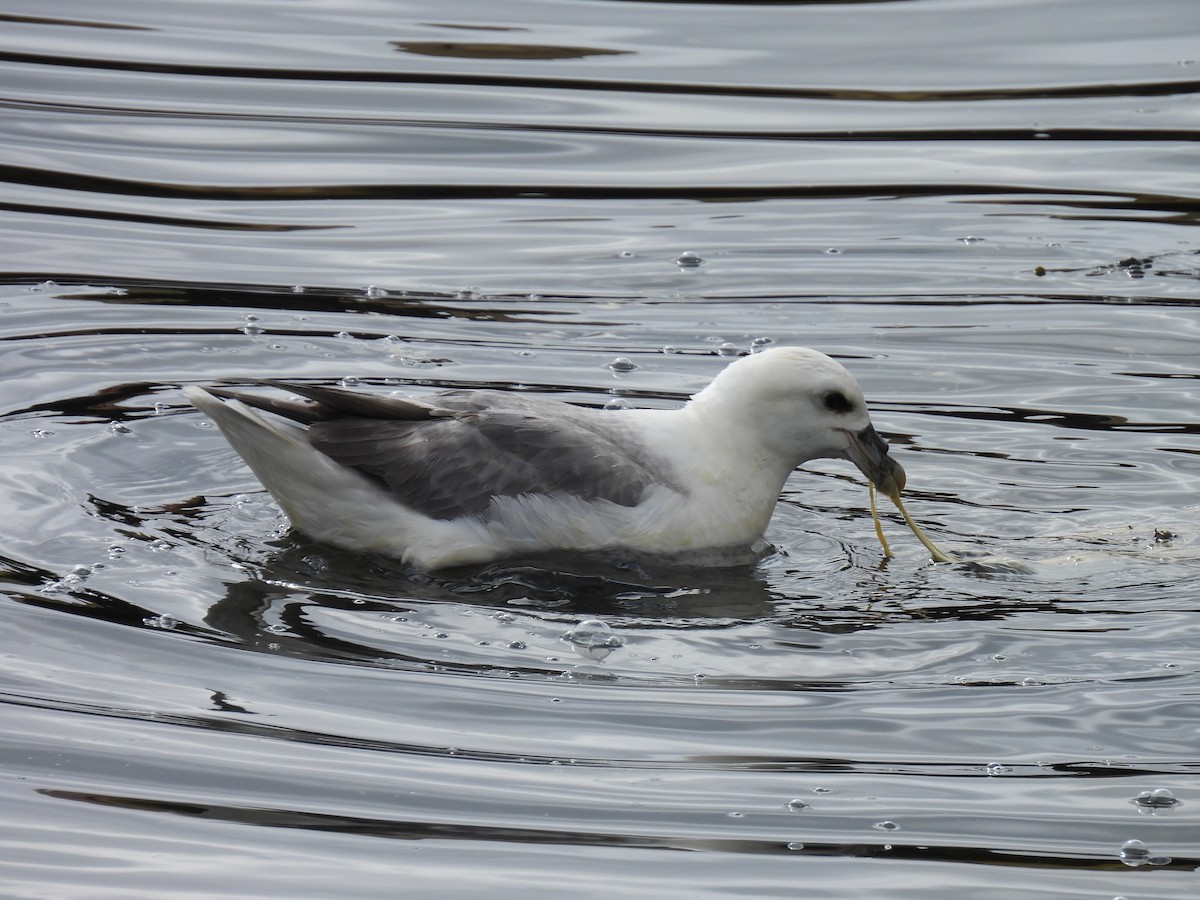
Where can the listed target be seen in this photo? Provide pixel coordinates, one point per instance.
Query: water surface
(981, 208)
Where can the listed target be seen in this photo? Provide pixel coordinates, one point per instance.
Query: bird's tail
(306, 483)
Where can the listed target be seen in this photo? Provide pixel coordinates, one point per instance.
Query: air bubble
(593, 639)
(516, 645)
(1159, 798)
(728, 349)
(118, 428)
(164, 622)
(887, 825)
(689, 260)
(618, 403)
(374, 292)
(995, 768)
(970, 239)
(1134, 853)
(622, 364)
(796, 805)
(314, 563)
(350, 381)
(251, 329)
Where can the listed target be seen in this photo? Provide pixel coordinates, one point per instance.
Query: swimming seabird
(468, 477)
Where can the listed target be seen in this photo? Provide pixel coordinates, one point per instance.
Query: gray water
(981, 208)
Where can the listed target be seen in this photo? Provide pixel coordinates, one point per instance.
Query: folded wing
(449, 458)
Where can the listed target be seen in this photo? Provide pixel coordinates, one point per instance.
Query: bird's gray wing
(493, 444)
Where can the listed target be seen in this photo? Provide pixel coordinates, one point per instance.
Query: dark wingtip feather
(304, 412)
(365, 406)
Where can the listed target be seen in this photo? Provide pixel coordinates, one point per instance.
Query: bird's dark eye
(836, 401)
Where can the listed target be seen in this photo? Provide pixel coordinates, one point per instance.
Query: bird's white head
(799, 404)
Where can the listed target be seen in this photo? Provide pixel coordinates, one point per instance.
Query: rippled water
(982, 208)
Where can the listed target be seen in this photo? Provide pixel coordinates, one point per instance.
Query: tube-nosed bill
(867, 450)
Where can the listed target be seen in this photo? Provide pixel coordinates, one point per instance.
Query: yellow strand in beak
(887, 551)
(935, 551)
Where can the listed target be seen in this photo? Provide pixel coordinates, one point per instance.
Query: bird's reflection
(267, 608)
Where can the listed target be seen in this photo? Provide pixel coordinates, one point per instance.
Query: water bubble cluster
(759, 344)
(593, 639)
(73, 579)
(1159, 798)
